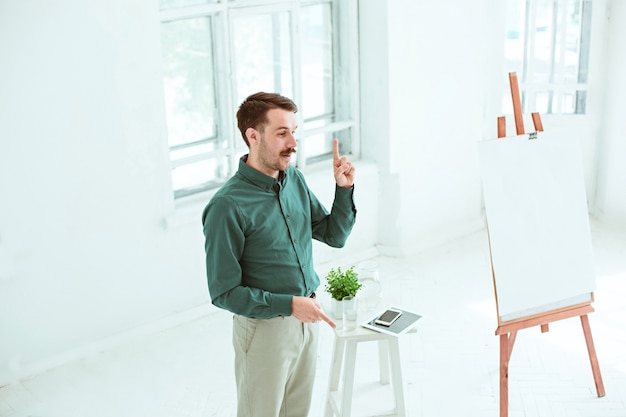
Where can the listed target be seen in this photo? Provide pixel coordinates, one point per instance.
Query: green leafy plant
(340, 284)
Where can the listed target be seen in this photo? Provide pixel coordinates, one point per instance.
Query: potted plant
(340, 284)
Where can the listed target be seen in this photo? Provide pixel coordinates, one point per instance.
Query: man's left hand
(309, 310)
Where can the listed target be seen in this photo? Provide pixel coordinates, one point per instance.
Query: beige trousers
(275, 361)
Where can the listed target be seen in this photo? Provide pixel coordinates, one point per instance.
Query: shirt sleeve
(334, 228)
(224, 231)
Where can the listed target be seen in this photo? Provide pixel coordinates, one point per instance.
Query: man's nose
(292, 141)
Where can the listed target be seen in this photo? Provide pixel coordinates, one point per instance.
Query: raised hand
(343, 169)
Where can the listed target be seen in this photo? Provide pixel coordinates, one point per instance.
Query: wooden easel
(508, 330)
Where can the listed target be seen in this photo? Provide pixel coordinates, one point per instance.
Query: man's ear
(252, 135)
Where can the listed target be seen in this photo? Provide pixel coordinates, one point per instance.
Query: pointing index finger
(335, 151)
(328, 320)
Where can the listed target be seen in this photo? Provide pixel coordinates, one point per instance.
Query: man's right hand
(343, 169)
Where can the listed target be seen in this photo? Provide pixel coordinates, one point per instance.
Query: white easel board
(538, 223)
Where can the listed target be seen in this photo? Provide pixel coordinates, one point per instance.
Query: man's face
(277, 142)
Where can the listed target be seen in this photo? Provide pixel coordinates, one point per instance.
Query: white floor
(450, 366)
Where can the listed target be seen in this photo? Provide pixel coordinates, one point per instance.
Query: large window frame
(314, 134)
(546, 39)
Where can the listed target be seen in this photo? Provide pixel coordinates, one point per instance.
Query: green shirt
(258, 241)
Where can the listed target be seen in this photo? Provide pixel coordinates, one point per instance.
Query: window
(547, 45)
(216, 53)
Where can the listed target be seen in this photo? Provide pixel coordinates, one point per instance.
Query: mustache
(289, 151)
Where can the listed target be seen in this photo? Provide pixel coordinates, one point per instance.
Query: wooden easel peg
(501, 127)
(537, 122)
(517, 103)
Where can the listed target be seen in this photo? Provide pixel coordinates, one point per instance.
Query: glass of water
(349, 312)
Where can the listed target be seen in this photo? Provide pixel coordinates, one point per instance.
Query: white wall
(84, 252)
(610, 204)
(427, 69)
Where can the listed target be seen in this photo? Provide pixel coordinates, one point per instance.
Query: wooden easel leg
(595, 367)
(507, 340)
(504, 375)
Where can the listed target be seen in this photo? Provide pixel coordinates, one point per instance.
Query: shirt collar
(258, 178)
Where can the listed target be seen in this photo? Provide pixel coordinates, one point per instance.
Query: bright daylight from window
(547, 44)
(213, 61)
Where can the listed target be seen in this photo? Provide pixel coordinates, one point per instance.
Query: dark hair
(253, 111)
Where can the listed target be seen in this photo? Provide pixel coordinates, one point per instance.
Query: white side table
(339, 401)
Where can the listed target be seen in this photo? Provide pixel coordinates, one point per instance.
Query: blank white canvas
(538, 223)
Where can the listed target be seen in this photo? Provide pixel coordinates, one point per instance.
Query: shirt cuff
(345, 197)
(281, 305)
(344, 193)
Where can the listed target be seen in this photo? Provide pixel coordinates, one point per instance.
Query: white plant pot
(336, 308)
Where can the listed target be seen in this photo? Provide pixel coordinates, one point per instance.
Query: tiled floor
(450, 366)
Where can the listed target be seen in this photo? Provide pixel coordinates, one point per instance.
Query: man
(259, 228)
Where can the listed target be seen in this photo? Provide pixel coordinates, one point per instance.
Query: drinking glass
(349, 312)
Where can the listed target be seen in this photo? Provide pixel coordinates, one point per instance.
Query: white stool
(339, 403)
